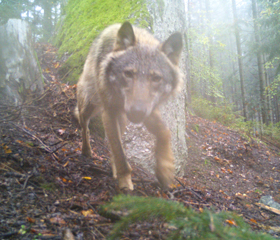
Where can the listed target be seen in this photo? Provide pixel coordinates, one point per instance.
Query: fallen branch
(271, 209)
(44, 146)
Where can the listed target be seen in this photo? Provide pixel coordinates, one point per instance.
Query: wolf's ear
(172, 47)
(125, 37)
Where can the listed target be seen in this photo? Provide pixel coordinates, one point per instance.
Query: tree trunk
(260, 63)
(47, 21)
(139, 143)
(276, 109)
(19, 70)
(268, 97)
(240, 63)
(210, 50)
(188, 39)
(204, 88)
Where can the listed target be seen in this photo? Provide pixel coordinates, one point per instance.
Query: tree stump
(19, 69)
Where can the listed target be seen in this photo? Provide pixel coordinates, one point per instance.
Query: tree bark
(210, 50)
(47, 20)
(240, 63)
(260, 63)
(189, 61)
(19, 70)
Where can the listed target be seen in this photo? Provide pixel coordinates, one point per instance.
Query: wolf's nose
(137, 112)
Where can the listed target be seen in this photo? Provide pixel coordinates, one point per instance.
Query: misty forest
(224, 123)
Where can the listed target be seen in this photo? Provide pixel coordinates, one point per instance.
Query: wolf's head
(141, 74)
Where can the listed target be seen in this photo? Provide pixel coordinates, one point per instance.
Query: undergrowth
(224, 114)
(216, 112)
(185, 223)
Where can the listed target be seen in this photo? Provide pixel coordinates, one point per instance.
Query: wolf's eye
(128, 73)
(156, 78)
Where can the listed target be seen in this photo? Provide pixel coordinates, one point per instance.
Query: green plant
(22, 230)
(221, 112)
(186, 222)
(272, 130)
(246, 127)
(258, 191)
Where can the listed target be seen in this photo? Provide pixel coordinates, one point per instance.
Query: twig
(7, 235)
(11, 168)
(38, 139)
(59, 147)
(271, 209)
(92, 208)
(65, 75)
(188, 188)
(143, 193)
(197, 204)
(100, 232)
(180, 182)
(56, 143)
(27, 179)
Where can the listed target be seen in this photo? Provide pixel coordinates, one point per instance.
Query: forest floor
(50, 191)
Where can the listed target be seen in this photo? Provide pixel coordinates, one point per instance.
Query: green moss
(84, 20)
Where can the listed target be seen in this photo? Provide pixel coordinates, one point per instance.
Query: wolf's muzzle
(137, 112)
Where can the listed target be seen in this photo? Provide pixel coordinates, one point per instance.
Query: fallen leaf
(253, 220)
(87, 212)
(231, 222)
(164, 195)
(87, 178)
(230, 171)
(7, 149)
(173, 186)
(56, 65)
(61, 131)
(57, 220)
(31, 220)
(64, 180)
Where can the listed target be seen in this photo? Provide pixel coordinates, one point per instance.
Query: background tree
(239, 56)
(42, 14)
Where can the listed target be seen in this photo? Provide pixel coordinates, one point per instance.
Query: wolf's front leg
(120, 166)
(84, 117)
(163, 152)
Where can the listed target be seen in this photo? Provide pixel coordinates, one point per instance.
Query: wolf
(128, 73)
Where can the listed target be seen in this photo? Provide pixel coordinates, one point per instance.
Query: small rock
(268, 200)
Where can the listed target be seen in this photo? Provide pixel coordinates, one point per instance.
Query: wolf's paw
(165, 174)
(125, 182)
